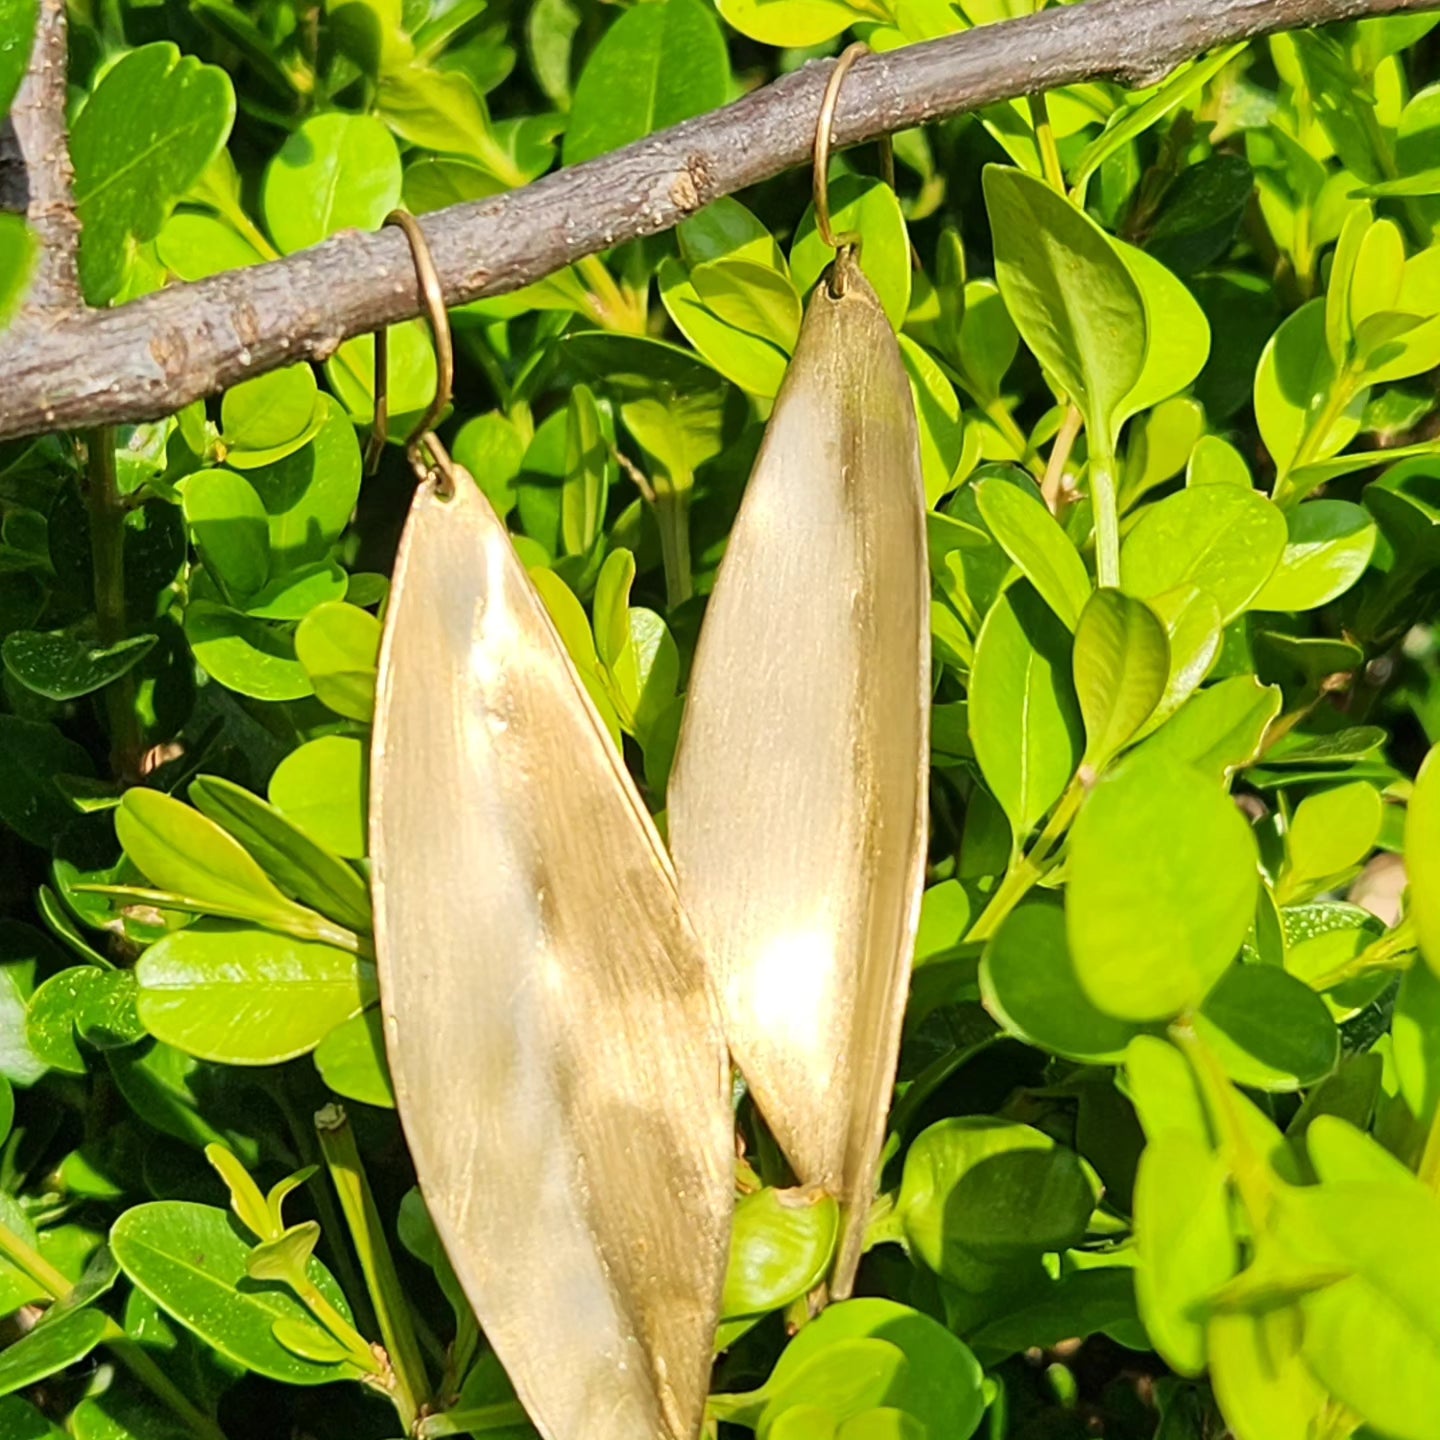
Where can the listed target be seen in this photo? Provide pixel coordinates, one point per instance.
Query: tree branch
(36, 177)
(150, 357)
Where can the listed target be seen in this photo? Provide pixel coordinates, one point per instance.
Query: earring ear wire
(427, 454)
(848, 243)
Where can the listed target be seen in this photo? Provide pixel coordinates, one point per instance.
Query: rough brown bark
(150, 357)
(36, 177)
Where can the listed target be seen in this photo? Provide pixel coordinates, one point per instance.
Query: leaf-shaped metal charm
(556, 1054)
(797, 805)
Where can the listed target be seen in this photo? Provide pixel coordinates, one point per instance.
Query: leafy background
(1164, 1157)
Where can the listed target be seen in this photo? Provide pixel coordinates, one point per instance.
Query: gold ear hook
(428, 456)
(820, 175)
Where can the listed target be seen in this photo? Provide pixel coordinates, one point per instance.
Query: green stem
(1341, 394)
(303, 924)
(1019, 879)
(347, 1170)
(1045, 142)
(611, 308)
(1106, 506)
(672, 513)
(472, 1422)
(332, 1227)
(131, 1355)
(998, 413)
(926, 1083)
(107, 552)
(1247, 1167)
(361, 1355)
(33, 1264)
(1392, 951)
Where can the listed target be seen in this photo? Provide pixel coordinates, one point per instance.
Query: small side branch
(36, 176)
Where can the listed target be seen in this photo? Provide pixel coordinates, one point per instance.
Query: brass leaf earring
(798, 805)
(557, 1061)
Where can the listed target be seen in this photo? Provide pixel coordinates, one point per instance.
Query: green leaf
(1329, 547)
(1422, 857)
(588, 469)
(252, 657)
(1163, 883)
(790, 23)
(336, 172)
(1217, 462)
(17, 25)
(657, 65)
(320, 788)
(1194, 634)
(1415, 1038)
(1028, 982)
(978, 1192)
(1201, 213)
(179, 850)
(1031, 536)
(1122, 664)
(1264, 1386)
(309, 872)
(754, 364)
(1268, 1029)
(195, 247)
(32, 754)
(1177, 333)
(781, 1246)
(122, 1412)
(154, 123)
(265, 419)
(246, 1199)
(20, 1420)
(410, 368)
(1330, 835)
(1295, 378)
(1024, 718)
(864, 207)
(753, 295)
(189, 1260)
(940, 1384)
(351, 1060)
(1161, 443)
(339, 646)
(937, 409)
(240, 996)
(50, 1348)
(1072, 297)
(1224, 539)
(1128, 123)
(1185, 1245)
(97, 1005)
(19, 255)
(492, 448)
(228, 523)
(59, 665)
(310, 494)
(1220, 730)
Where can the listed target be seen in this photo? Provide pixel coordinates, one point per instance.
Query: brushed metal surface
(797, 805)
(556, 1054)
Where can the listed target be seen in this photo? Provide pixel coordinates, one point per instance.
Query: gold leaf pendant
(557, 1060)
(798, 805)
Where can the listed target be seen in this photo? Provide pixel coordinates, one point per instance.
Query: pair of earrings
(561, 1001)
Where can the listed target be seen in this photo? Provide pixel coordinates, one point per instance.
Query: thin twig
(151, 357)
(39, 178)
